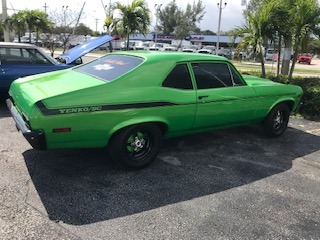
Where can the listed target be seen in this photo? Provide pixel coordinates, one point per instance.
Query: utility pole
(219, 23)
(4, 17)
(45, 7)
(74, 29)
(157, 7)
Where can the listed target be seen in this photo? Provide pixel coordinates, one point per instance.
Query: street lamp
(157, 7)
(64, 9)
(219, 23)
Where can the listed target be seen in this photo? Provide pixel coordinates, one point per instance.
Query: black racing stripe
(83, 109)
(58, 111)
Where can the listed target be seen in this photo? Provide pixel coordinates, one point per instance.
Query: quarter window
(178, 78)
(212, 75)
(236, 78)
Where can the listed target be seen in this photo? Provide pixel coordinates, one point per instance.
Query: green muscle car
(130, 101)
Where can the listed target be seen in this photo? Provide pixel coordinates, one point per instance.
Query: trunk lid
(29, 90)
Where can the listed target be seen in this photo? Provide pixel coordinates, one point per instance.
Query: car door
(223, 98)
(177, 89)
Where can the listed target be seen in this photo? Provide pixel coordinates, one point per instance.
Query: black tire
(277, 120)
(136, 146)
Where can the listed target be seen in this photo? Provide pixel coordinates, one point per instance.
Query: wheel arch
(288, 102)
(161, 123)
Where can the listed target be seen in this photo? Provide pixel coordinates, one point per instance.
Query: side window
(22, 56)
(212, 75)
(178, 78)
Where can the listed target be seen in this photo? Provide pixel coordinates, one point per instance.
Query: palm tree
(135, 17)
(17, 22)
(110, 22)
(296, 20)
(36, 20)
(256, 31)
(307, 18)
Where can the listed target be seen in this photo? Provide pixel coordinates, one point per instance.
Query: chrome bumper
(35, 138)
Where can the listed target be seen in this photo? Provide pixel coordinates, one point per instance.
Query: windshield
(110, 66)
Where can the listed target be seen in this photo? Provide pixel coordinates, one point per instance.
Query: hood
(82, 49)
(257, 81)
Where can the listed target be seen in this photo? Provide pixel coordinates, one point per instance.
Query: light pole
(157, 7)
(97, 20)
(64, 9)
(219, 22)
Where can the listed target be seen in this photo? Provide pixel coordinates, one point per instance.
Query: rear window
(110, 66)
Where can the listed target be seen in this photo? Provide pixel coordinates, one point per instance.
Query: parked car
(208, 50)
(143, 46)
(190, 49)
(271, 54)
(158, 47)
(171, 47)
(224, 53)
(132, 44)
(19, 60)
(305, 58)
(130, 101)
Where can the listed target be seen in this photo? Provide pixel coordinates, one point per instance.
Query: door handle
(201, 97)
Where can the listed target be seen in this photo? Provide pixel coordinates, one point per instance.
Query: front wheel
(277, 120)
(136, 146)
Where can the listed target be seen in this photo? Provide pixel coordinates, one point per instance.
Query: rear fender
(156, 120)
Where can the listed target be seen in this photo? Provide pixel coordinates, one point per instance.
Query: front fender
(291, 102)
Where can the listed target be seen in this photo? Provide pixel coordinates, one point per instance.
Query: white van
(270, 54)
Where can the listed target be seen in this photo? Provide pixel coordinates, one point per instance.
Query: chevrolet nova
(130, 101)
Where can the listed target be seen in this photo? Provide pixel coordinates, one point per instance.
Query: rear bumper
(35, 138)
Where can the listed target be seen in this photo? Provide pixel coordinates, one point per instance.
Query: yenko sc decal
(87, 109)
(80, 109)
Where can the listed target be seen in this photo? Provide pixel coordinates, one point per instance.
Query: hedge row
(311, 93)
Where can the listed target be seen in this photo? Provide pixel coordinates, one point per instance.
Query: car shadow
(82, 186)
(3, 107)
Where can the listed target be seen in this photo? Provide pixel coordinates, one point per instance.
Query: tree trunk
(278, 57)
(29, 36)
(263, 69)
(286, 56)
(294, 60)
(110, 43)
(128, 42)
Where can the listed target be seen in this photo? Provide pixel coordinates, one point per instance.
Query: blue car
(18, 59)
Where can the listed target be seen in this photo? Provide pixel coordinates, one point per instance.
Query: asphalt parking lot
(231, 184)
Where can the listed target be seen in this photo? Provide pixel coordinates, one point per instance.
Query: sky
(93, 13)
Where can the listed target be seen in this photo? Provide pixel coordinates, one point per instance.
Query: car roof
(11, 44)
(175, 56)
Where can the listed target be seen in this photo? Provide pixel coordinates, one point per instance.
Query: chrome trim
(17, 117)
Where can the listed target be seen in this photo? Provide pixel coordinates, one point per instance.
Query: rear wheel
(277, 120)
(136, 146)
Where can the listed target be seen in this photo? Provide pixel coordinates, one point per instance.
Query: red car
(305, 58)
